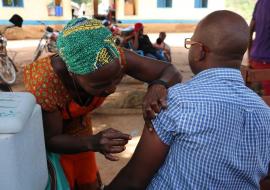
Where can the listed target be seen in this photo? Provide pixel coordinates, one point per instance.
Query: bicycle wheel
(7, 70)
(39, 49)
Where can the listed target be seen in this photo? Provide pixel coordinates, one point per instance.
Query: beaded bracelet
(123, 61)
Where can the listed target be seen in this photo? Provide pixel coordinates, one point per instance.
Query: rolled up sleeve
(164, 127)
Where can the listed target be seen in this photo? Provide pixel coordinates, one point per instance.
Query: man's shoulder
(176, 89)
(145, 36)
(182, 90)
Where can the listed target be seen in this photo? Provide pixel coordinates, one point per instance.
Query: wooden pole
(57, 2)
(115, 8)
(95, 7)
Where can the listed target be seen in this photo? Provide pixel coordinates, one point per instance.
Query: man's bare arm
(145, 162)
(147, 69)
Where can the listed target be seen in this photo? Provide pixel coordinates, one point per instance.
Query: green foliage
(82, 1)
(85, 1)
(242, 7)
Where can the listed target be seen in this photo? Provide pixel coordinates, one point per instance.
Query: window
(12, 3)
(201, 3)
(164, 3)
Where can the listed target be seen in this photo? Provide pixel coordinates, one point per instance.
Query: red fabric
(80, 168)
(75, 110)
(262, 65)
(138, 26)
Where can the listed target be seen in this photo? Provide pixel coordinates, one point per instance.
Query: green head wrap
(86, 45)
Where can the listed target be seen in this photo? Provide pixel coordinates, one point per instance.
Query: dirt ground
(121, 110)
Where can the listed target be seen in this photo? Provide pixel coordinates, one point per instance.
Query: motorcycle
(47, 42)
(120, 34)
(7, 67)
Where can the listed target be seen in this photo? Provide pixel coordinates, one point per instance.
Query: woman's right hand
(110, 141)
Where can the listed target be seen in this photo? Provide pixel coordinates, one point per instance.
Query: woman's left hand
(154, 101)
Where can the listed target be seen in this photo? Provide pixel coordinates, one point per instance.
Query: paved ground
(126, 120)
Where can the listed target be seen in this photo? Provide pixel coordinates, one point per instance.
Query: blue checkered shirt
(218, 131)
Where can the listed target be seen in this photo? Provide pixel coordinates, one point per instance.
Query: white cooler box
(23, 164)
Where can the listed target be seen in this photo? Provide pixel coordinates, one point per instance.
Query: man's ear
(201, 55)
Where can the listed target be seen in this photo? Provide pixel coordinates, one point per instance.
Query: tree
(243, 7)
(82, 1)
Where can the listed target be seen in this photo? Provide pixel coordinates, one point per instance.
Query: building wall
(34, 10)
(182, 11)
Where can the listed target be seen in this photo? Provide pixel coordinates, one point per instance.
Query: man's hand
(136, 34)
(154, 101)
(110, 141)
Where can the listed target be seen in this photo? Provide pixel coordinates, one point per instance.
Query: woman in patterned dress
(70, 85)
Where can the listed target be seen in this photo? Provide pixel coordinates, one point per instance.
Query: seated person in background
(142, 42)
(127, 43)
(164, 48)
(160, 44)
(162, 36)
(215, 132)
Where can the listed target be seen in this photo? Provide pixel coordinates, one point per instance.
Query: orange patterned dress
(41, 80)
(45, 85)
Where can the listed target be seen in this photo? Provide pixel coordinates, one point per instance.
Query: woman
(70, 85)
